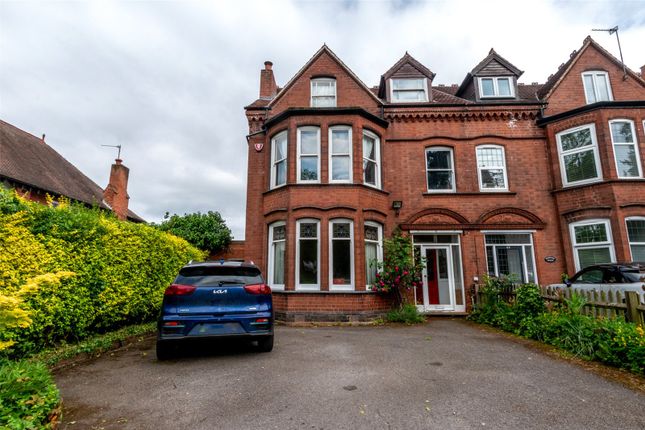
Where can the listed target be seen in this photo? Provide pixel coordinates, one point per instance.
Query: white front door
(438, 290)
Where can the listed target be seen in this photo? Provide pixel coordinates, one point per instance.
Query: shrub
(399, 272)
(28, 397)
(407, 314)
(88, 272)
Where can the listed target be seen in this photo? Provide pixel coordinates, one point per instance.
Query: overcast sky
(168, 80)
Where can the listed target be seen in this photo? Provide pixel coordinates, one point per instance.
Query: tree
(205, 231)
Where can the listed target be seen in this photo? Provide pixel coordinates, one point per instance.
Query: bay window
(340, 154)
(371, 160)
(277, 242)
(373, 235)
(279, 159)
(578, 152)
(308, 154)
(626, 154)
(636, 236)
(307, 254)
(592, 243)
(341, 254)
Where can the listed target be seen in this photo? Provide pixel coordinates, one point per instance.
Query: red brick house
(490, 176)
(36, 170)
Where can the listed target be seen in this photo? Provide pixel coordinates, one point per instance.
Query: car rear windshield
(218, 275)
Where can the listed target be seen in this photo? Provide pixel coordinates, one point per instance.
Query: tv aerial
(118, 147)
(612, 31)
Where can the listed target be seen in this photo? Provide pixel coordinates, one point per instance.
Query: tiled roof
(443, 95)
(28, 160)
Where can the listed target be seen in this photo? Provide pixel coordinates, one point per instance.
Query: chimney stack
(116, 193)
(268, 87)
(643, 72)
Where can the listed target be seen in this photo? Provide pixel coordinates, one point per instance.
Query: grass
(95, 345)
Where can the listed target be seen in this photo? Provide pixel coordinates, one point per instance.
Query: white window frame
(377, 161)
(379, 247)
(634, 144)
(591, 245)
(270, 269)
(593, 147)
(331, 155)
(595, 74)
(480, 168)
(496, 94)
(452, 163)
(314, 96)
(330, 235)
(424, 88)
(633, 218)
(524, 265)
(274, 163)
(307, 287)
(300, 155)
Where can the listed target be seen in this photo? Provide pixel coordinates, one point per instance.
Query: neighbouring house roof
(555, 79)
(27, 160)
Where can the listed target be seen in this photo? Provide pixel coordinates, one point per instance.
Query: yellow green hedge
(79, 271)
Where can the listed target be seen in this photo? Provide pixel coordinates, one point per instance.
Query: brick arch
(459, 219)
(522, 213)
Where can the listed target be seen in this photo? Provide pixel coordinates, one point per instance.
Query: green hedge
(612, 341)
(80, 271)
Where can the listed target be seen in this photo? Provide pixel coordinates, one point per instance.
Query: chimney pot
(268, 65)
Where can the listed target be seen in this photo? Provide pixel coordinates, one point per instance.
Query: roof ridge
(22, 131)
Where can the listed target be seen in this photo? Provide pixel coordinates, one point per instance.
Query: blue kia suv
(216, 299)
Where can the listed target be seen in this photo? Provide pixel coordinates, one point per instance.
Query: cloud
(168, 80)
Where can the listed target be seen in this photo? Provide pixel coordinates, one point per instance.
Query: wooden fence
(612, 304)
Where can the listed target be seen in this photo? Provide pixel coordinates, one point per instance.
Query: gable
(350, 91)
(565, 90)
(494, 68)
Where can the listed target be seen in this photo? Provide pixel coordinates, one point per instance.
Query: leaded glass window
(592, 243)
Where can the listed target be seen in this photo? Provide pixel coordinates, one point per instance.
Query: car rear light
(257, 289)
(262, 320)
(179, 290)
(171, 324)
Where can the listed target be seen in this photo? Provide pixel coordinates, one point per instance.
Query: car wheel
(265, 344)
(164, 351)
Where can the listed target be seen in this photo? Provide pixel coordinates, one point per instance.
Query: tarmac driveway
(447, 374)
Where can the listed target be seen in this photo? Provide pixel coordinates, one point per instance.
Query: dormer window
(597, 87)
(323, 92)
(496, 87)
(409, 90)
